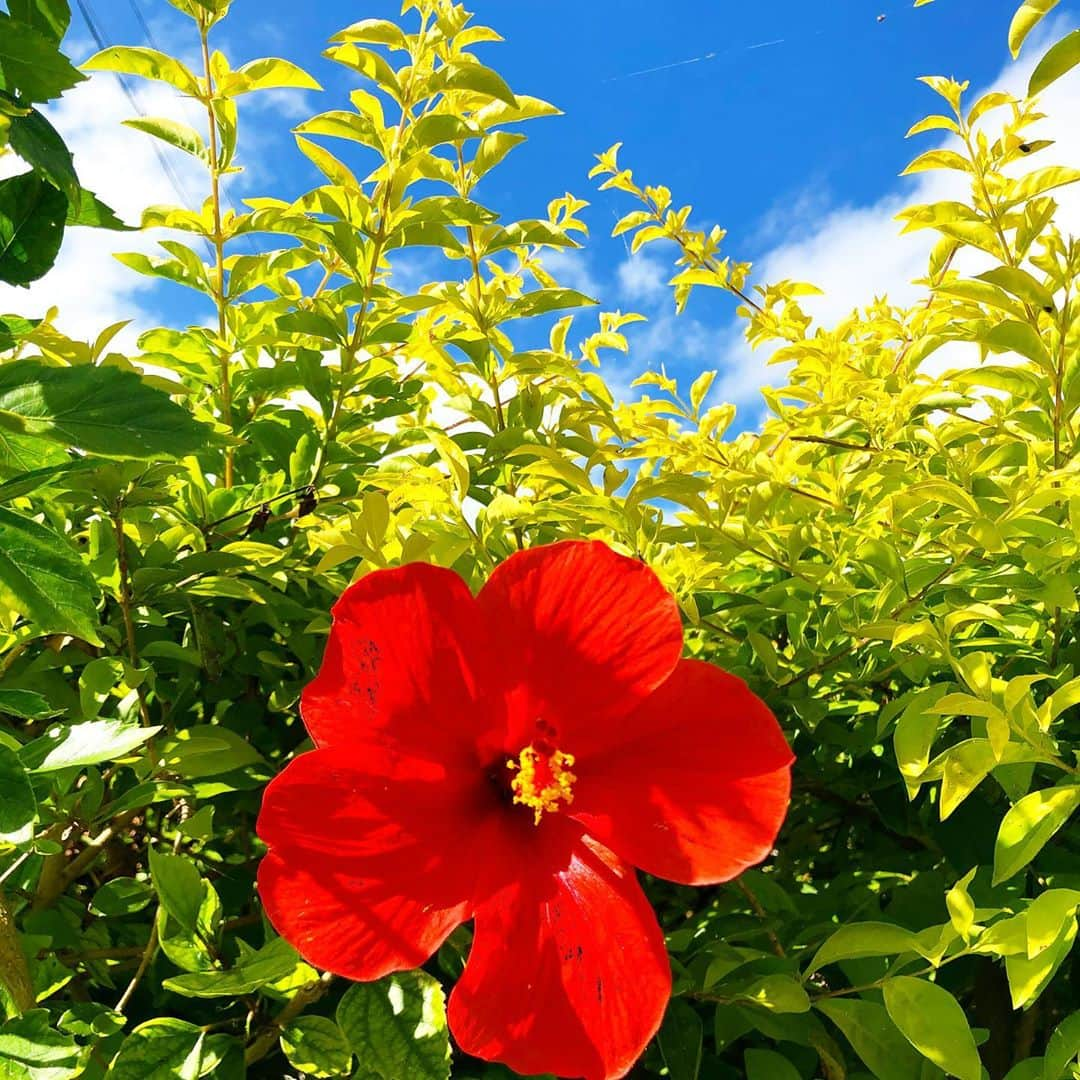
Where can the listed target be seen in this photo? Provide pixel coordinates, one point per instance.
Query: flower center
(542, 780)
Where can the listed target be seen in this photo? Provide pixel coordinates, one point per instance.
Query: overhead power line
(166, 165)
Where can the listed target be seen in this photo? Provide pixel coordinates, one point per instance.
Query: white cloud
(643, 278)
(570, 267)
(854, 253)
(92, 289)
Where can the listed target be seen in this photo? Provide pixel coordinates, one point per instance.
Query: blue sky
(787, 120)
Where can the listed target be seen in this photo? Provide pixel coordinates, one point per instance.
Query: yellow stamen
(542, 780)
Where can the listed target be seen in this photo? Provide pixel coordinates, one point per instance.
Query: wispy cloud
(571, 268)
(643, 278)
(91, 289)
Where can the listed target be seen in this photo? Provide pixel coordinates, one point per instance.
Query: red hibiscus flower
(509, 758)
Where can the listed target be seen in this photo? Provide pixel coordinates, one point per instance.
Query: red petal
(367, 873)
(408, 661)
(568, 972)
(700, 787)
(585, 634)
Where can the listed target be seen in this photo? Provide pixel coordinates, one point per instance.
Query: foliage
(36, 205)
(892, 561)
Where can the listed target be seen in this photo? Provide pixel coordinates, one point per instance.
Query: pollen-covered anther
(542, 780)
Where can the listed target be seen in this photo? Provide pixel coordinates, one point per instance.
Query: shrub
(890, 562)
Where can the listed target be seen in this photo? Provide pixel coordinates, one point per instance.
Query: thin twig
(144, 963)
(307, 995)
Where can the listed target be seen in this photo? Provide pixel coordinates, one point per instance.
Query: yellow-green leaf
(1027, 17)
(1029, 824)
(931, 1019)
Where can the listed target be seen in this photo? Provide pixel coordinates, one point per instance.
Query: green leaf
(680, 1040)
(207, 750)
(121, 896)
(43, 579)
(1029, 977)
(44, 1054)
(49, 17)
(373, 32)
(161, 1049)
(1028, 825)
(66, 746)
(778, 993)
(476, 78)
(317, 1047)
(18, 807)
(37, 478)
(32, 214)
(1062, 57)
(397, 1026)
(182, 136)
(272, 962)
(873, 1036)
(931, 1019)
(1020, 283)
(863, 939)
(1063, 1046)
(544, 300)
(98, 409)
(1046, 915)
(13, 328)
(89, 210)
(38, 143)
(1027, 17)
(179, 888)
(32, 64)
(267, 73)
(25, 704)
(1019, 338)
(768, 1065)
(147, 63)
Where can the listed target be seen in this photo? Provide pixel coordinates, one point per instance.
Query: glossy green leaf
(397, 1026)
(50, 18)
(768, 1065)
(931, 1019)
(206, 750)
(317, 1047)
(179, 888)
(863, 939)
(146, 63)
(1029, 824)
(1029, 976)
(65, 746)
(121, 896)
(268, 73)
(873, 1036)
(1062, 57)
(182, 136)
(18, 807)
(1027, 17)
(90, 211)
(161, 1049)
(1063, 1047)
(26, 704)
(98, 409)
(272, 962)
(680, 1040)
(475, 78)
(32, 214)
(31, 1049)
(31, 63)
(43, 578)
(38, 143)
